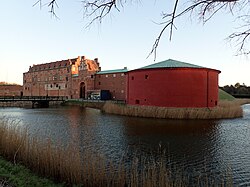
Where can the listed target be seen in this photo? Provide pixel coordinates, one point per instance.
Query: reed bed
(73, 167)
(225, 109)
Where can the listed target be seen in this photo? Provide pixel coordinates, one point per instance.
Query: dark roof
(171, 64)
(124, 70)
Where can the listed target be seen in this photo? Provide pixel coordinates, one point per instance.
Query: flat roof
(124, 70)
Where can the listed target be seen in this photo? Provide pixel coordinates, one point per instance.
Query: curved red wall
(173, 87)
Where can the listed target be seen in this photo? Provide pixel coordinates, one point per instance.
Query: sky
(30, 35)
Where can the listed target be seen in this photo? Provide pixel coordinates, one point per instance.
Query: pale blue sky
(30, 36)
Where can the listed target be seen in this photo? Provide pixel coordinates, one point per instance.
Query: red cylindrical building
(172, 83)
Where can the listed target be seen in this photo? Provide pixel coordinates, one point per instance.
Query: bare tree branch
(51, 4)
(241, 40)
(206, 8)
(97, 10)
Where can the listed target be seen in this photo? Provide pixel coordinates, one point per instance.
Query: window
(65, 85)
(66, 78)
(51, 86)
(122, 74)
(114, 75)
(99, 83)
(122, 91)
(132, 77)
(92, 76)
(107, 76)
(60, 77)
(56, 85)
(146, 76)
(137, 101)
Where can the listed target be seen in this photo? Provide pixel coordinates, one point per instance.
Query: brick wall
(179, 87)
(11, 90)
(61, 78)
(116, 83)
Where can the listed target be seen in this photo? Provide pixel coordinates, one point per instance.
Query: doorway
(82, 90)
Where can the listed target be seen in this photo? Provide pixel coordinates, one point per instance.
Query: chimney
(96, 60)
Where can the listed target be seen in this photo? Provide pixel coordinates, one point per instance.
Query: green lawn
(225, 96)
(19, 176)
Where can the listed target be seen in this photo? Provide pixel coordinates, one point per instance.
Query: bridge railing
(32, 98)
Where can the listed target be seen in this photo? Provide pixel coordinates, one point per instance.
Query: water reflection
(198, 146)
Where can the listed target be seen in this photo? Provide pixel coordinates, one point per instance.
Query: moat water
(215, 147)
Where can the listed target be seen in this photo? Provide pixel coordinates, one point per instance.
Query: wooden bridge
(40, 101)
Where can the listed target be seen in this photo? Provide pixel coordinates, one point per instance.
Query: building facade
(173, 83)
(168, 83)
(71, 78)
(115, 81)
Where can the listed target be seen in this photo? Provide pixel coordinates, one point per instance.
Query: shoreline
(225, 110)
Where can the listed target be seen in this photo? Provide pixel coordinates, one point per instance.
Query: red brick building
(115, 81)
(11, 90)
(71, 78)
(75, 78)
(172, 83)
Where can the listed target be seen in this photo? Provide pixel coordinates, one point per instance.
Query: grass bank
(18, 175)
(72, 167)
(225, 96)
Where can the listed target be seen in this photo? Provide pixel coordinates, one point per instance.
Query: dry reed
(225, 109)
(70, 165)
